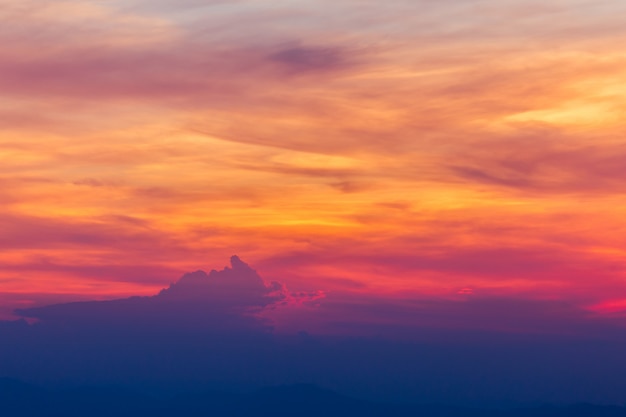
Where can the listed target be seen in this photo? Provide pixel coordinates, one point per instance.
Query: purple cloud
(227, 300)
(308, 59)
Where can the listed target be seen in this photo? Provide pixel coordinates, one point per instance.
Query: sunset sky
(359, 152)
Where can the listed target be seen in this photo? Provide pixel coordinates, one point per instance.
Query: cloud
(553, 164)
(220, 300)
(307, 59)
(237, 286)
(485, 177)
(51, 232)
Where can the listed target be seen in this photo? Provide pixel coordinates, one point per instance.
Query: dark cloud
(303, 171)
(189, 70)
(237, 286)
(308, 59)
(217, 300)
(93, 182)
(32, 231)
(351, 186)
(478, 175)
(550, 165)
(395, 205)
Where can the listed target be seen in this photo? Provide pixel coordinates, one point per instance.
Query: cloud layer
(356, 148)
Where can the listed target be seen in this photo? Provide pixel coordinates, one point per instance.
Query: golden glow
(429, 157)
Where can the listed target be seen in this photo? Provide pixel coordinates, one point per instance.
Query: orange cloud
(444, 149)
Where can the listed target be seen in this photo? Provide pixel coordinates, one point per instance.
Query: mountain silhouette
(210, 332)
(18, 399)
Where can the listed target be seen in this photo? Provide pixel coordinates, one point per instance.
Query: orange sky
(443, 149)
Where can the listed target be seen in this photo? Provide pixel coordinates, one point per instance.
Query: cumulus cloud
(226, 300)
(234, 286)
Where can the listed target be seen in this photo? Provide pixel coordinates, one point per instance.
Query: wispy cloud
(445, 144)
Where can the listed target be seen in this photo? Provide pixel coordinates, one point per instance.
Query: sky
(378, 159)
